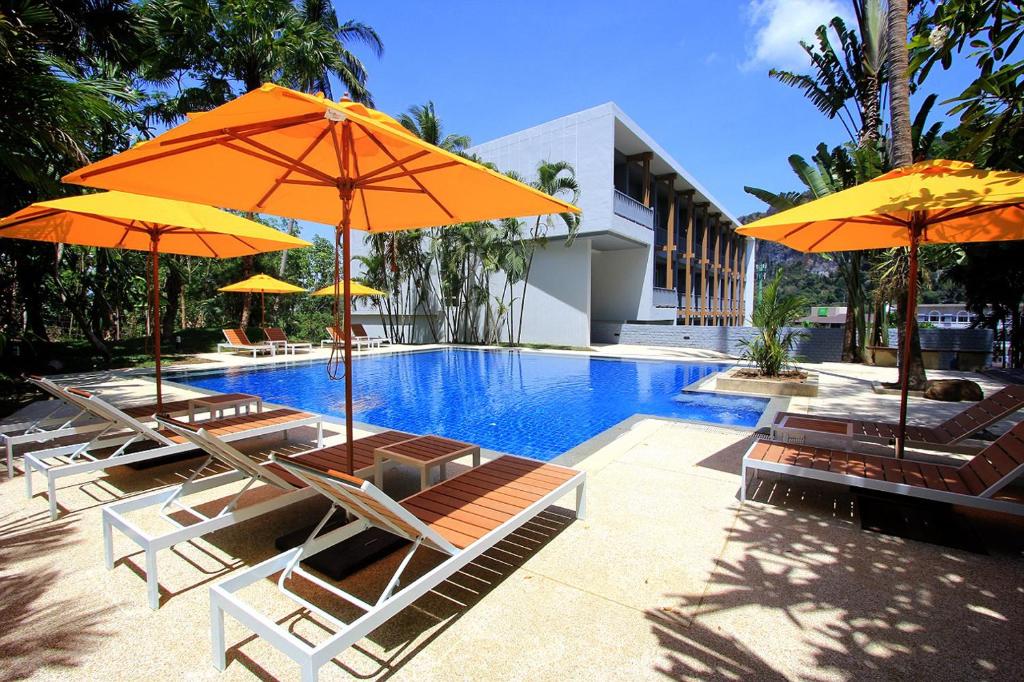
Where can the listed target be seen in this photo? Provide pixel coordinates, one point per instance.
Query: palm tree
(422, 121)
(853, 73)
(242, 44)
(899, 85)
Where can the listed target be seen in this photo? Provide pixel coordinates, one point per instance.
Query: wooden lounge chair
(460, 518)
(335, 338)
(74, 422)
(359, 331)
(975, 483)
(243, 468)
(127, 440)
(277, 337)
(237, 341)
(791, 427)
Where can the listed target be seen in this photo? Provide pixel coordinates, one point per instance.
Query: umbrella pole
(154, 244)
(347, 284)
(263, 311)
(911, 318)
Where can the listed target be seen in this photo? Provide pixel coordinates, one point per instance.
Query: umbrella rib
(973, 210)
(824, 237)
(254, 128)
(362, 194)
(314, 183)
(207, 245)
(417, 171)
(151, 157)
(416, 180)
(381, 188)
(301, 158)
(284, 159)
(28, 219)
(389, 166)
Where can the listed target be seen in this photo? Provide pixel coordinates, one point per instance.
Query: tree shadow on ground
(39, 631)
(800, 591)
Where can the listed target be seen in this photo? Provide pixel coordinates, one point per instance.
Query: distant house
(937, 315)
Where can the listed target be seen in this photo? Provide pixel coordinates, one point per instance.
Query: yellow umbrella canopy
(278, 151)
(143, 223)
(355, 288)
(950, 201)
(132, 221)
(936, 202)
(262, 284)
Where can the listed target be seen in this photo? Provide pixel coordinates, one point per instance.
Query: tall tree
(899, 85)
(238, 45)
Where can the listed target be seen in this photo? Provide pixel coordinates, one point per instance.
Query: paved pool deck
(668, 577)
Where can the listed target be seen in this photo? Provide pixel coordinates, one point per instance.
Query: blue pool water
(531, 404)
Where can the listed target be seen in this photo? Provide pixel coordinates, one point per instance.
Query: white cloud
(779, 26)
(710, 58)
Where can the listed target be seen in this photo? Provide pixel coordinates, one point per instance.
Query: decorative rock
(953, 390)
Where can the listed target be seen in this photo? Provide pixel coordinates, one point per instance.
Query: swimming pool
(533, 404)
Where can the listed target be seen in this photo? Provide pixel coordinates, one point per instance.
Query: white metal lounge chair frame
(357, 341)
(82, 461)
(224, 598)
(253, 348)
(377, 341)
(49, 426)
(244, 468)
(981, 501)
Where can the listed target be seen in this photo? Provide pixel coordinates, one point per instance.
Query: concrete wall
(817, 345)
(951, 339)
(619, 279)
(558, 301)
(585, 139)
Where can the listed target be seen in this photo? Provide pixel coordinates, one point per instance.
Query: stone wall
(816, 345)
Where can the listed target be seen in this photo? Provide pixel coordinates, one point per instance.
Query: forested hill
(811, 275)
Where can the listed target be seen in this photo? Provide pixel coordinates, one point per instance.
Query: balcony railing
(633, 210)
(664, 298)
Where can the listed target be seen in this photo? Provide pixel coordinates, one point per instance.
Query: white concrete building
(653, 247)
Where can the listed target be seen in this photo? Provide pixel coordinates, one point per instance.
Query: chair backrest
(985, 413)
(334, 333)
(367, 501)
(359, 330)
(236, 336)
(98, 407)
(999, 464)
(221, 451)
(47, 386)
(275, 334)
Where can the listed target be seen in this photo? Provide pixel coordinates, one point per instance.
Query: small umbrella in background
(118, 220)
(932, 202)
(355, 289)
(262, 284)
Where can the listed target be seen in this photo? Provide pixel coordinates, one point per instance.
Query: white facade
(617, 267)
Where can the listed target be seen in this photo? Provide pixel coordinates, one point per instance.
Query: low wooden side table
(423, 453)
(217, 403)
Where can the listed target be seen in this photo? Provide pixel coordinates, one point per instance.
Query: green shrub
(774, 311)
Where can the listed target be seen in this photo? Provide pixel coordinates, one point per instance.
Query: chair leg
(152, 584)
(581, 500)
(217, 635)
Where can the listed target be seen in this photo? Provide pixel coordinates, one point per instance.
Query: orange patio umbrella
(121, 220)
(932, 202)
(278, 151)
(263, 284)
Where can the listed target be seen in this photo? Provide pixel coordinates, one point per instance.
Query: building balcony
(665, 298)
(633, 210)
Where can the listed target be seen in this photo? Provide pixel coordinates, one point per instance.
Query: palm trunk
(247, 266)
(173, 287)
(899, 85)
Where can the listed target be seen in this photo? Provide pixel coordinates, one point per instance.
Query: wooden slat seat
(335, 458)
(981, 477)
(503, 488)
(176, 406)
(242, 422)
(966, 423)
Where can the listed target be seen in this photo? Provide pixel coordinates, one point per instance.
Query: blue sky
(690, 72)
